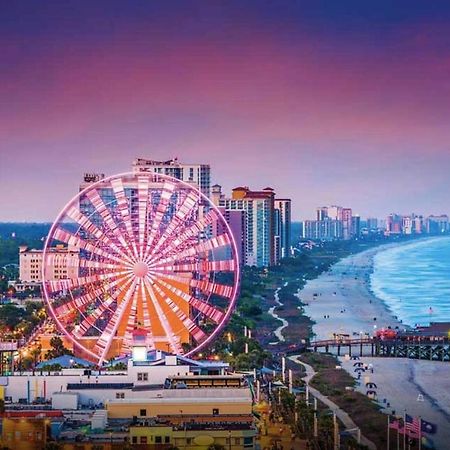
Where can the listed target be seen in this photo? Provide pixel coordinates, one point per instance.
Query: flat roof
(206, 377)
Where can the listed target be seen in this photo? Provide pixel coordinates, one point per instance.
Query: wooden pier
(433, 350)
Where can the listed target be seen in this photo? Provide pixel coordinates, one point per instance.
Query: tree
(11, 315)
(57, 349)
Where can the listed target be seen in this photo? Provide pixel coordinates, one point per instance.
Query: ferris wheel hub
(140, 269)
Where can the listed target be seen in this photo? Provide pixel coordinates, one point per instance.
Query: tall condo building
(372, 223)
(347, 223)
(437, 224)
(321, 213)
(197, 174)
(283, 225)
(256, 237)
(332, 222)
(394, 223)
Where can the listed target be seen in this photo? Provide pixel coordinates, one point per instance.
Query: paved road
(341, 414)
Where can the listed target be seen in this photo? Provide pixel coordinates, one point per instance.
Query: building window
(142, 376)
(143, 412)
(134, 439)
(237, 441)
(167, 439)
(120, 395)
(248, 442)
(215, 411)
(158, 440)
(143, 440)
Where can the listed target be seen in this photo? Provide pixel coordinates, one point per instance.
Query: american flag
(412, 424)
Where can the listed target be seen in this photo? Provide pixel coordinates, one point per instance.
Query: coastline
(340, 300)
(343, 293)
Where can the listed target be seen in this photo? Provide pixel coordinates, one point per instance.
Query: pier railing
(416, 347)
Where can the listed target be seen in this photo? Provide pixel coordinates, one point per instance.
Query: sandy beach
(401, 381)
(339, 301)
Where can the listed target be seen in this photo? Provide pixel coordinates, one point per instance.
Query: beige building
(169, 402)
(63, 264)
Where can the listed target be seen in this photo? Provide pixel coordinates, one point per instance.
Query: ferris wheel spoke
(181, 240)
(72, 240)
(78, 303)
(199, 247)
(104, 342)
(189, 204)
(146, 315)
(73, 283)
(122, 204)
(166, 194)
(170, 335)
(84, 222)
(226, 265)
(92, 264)
(89, 320)
(210, 311)
(100, 207)
(194, 330)
(131, 322)
(206, 286)
(143, 183)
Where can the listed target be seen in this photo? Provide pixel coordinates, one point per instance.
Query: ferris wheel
(140, 250)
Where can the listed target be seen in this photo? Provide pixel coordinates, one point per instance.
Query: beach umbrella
(359, 364)
(371, 385)
(355, 358)
(371, 392)
(359, 369)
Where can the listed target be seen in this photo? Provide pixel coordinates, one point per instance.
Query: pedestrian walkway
(341, 414)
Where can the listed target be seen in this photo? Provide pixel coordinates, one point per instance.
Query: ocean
(414, 280)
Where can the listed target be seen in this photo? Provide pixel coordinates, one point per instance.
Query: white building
(94, 387)
(283, 226)
(64, 264)
(196, 174)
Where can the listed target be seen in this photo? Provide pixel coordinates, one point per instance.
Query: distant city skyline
(326, 102)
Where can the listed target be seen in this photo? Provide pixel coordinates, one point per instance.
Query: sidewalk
(341, 414)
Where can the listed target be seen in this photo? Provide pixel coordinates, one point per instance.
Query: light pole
(184, 426)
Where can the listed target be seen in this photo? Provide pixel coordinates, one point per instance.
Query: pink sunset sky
(328, 104)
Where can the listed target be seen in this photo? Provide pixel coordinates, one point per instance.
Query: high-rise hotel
(260, 224)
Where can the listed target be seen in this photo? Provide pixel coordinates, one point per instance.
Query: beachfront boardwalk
(340, 413)
(438, 350)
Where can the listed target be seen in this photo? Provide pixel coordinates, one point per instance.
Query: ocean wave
(414, 280)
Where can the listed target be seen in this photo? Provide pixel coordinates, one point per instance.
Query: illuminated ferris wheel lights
(145, 257)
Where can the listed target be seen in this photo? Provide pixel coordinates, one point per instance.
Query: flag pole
(388, 423)
(420, 433)
(398, 437)
(404, 429)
